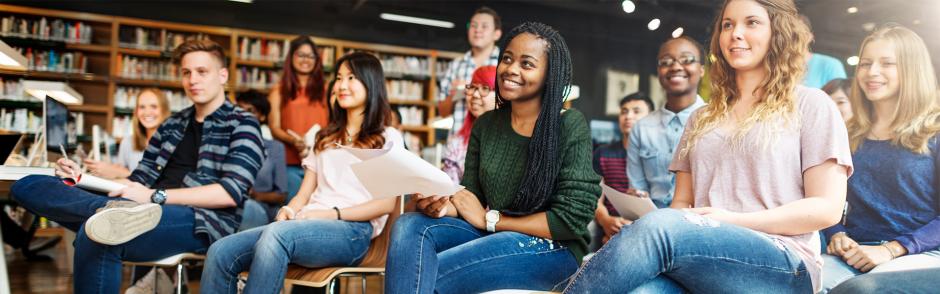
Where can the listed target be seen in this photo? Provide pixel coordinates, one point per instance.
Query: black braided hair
(542, 163)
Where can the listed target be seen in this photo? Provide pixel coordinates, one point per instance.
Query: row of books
(257, 78)
(411, 115)
(154, 39)
(50, 60)
(404, 90)
(43, 29)
(397, 65)
(261, 49)
(126, 98)
(11, 89)
(147, 68)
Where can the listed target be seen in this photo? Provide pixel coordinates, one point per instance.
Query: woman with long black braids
(530, 190)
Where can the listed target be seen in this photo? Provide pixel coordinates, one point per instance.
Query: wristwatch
(492, 217)
(158, 197)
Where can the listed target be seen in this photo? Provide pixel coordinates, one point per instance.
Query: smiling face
(482, 31)
(203, 77)
(304, 59)
(877, 72)
(477, 102)
(678, 78)
(148, 110)
(521, 70)
(350, 92)
(745, 34)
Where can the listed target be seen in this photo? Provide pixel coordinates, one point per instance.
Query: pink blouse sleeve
(822, 132)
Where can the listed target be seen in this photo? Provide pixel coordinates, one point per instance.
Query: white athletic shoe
(122, 221)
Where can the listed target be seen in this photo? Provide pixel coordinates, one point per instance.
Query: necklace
(348, 138)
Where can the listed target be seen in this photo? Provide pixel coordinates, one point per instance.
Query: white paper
(630, 207)
(93, 183)
(394, 172)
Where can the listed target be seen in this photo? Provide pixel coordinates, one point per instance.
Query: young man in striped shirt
(610, 161)
(186, 192)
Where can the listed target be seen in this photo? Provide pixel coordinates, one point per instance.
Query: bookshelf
(109, 58)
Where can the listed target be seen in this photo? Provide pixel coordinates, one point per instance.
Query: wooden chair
(372, 264)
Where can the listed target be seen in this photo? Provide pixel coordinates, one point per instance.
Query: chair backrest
(378, 249)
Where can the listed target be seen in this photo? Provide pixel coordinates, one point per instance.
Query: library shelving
(110, 58)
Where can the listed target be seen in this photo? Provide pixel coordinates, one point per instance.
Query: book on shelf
(51, 60)
(257, 78)
(154, 39)
(135, 67)
(262, 49)
(43, 29)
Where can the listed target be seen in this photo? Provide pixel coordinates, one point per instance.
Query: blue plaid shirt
(461, 70)
(230, 154)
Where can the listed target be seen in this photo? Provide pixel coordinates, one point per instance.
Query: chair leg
(363, 284)
(155, 286)
(179, 278)
(331, 288)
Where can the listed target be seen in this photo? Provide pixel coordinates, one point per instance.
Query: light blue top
(821, 69)
(652, 142)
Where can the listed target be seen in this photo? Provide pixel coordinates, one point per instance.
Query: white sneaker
(146, 286)
(122, 221)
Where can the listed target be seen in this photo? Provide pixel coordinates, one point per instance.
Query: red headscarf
(484, 75)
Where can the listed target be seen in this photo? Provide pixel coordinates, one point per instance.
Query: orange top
(299, 115)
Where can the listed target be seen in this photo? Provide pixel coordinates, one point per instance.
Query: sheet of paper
(93, 183)
(393, 172)
(630, 207)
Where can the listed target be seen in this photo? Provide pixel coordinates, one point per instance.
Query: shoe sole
(115, 226)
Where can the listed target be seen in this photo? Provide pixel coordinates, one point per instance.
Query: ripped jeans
(448, 255)
(669, 251)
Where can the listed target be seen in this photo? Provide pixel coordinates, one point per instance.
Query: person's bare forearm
(208, 196)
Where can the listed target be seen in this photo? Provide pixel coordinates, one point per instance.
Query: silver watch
(492, 217)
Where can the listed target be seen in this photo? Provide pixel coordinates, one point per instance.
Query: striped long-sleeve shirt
(230, 154)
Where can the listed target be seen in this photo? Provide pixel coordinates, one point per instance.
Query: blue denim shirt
(652, 142)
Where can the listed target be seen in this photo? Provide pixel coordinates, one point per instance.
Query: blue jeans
(98, 266)
(256, 214)
(836, 271)
(295, 175)
(267, 250)
(448, 255)
(912, 281)
(669, 251)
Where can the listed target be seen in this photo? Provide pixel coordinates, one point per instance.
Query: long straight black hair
(542, 165)
(377, 115)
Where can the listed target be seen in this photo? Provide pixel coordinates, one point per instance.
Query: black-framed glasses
(482, 89)
(683, 60)
(311, 56)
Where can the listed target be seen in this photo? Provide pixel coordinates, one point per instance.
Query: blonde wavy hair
(784, 63)
(917, 117)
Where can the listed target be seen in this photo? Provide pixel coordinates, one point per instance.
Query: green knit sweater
(496, 164)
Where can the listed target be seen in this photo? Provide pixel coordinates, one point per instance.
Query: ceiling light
(11, 59)
(678, 32)
(628, 6)
(653, 25)
(852, 60)
(57, 90)
(243, 1)
(417, 20)
(852, 9)
(868, 26)
(916, 21)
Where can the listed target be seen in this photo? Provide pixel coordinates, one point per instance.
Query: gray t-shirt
(127, 156)
(764, 178)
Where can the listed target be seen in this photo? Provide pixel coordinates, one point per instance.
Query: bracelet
(290, 211)
(338, 215)
(890, 251)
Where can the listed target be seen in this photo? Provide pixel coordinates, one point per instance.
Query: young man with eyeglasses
(482, 32)
(655, 138)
